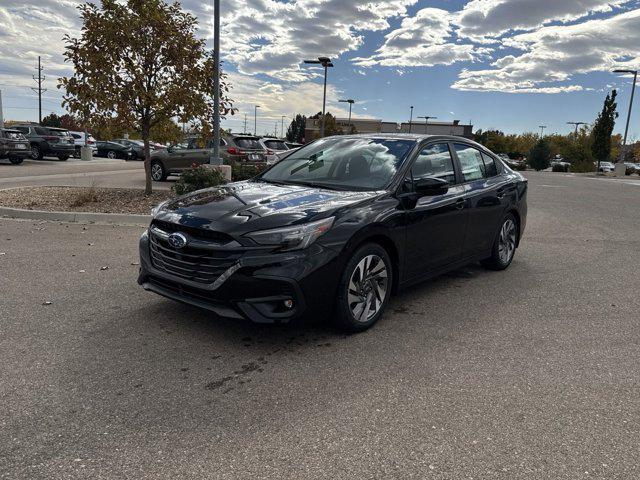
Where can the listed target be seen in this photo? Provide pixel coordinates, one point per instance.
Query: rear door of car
(435, 226)
(486, 193)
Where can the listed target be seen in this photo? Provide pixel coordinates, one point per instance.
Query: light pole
(633, 91)
(282, 117)
(215, 159)
(326, 63)
(255, 120)
(350, 102)
(410, 118)
(577, 124)
(426, 122)
(542, 127)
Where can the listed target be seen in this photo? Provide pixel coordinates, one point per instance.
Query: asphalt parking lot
(531, 373)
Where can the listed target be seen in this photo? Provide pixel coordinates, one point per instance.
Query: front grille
(198, 233)
(195, 264)
(185, 291)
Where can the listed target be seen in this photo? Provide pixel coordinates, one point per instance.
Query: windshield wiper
(317, 185)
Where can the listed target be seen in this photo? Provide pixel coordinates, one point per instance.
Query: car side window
(490, 166)
(470, 161)
(434, 161)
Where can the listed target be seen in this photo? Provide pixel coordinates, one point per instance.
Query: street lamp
(426, 122)
(542, 127)
(282, 117)
(255, 120)
(350, 102)
(326, 63)
(215, 159)
(577, 124)
(410, 118)
(633, 90)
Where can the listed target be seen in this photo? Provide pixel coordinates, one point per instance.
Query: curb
(88, 217)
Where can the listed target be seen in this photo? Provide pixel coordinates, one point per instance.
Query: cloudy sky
(507, 64)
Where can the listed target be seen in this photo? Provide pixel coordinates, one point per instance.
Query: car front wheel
(158, 172)
(111, 154)
(36, 152)
(16, 160)
(364, 288)
(504, 245)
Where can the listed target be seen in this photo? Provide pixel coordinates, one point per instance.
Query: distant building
(370, 125)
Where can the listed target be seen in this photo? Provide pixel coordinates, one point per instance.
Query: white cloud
(557, 53)
(483, 20)
(423, 40)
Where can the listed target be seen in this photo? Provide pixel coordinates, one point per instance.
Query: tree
(51, 120)
(140, 62)
(601, 133)
(295, 132)
(539, 155)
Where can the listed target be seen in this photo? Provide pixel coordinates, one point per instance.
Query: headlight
(157, 208)
(293, 238)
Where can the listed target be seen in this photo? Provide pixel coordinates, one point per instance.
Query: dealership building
(370, 125)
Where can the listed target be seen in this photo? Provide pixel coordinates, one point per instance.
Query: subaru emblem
(177, 240)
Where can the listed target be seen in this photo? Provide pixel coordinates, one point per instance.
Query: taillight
(235, 151)
(50, 137)
(270, 152)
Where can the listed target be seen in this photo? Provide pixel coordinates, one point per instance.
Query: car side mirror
(431, 186)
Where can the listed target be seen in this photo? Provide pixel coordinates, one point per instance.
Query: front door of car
(177, 158)
(435, 224)
(487, 193)
(198, 153)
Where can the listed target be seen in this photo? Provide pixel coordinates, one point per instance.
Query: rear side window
(470, 161)
(248, 143)
(41, 131)
(490, 166)
(434, 161)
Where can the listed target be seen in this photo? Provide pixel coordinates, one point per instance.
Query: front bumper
(257, 287)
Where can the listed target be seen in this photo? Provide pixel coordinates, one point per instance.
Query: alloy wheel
(368, 288)
(111, 154)
(35, 153)
(507, 241)
(156, 172)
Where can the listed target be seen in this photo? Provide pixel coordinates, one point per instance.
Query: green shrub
(197, 178)
(583, 167)
(245, 171)
(539, 155)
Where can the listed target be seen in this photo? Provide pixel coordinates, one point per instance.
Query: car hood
(248, 206)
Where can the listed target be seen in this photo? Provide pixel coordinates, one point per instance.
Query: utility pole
(215, 159)
(245, 124)
(275, 130)
(282, 117)
(542, 127)
(40, 78)
(1, 115)
(633, 91)
(426, 122)
(577, 124)
(326, 63)
(410, 118)
(255, 120)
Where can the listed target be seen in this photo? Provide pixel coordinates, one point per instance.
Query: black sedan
(114, 150)
(335, 228)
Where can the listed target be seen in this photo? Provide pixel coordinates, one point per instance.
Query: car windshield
(59, 133)
(276, 144)
(344, 163)
(248, 143)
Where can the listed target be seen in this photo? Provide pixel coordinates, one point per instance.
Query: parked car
(47, 141)
(631, 168)
(559, 165)
(114, 150)
(273, 147)
(13, 145)
(242, 148)
(178, 158)
(79, 142)
(605, 167)
(335, 228)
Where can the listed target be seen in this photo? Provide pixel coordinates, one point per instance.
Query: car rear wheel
(16, 160)
(504, 246)
(36, 152)
(112, 154)
(63, 158)
(76, 153)
(364, 288)
(158, 172)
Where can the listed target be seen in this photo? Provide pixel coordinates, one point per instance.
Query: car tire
(36, 152)
(158, 172)
(63, 158)
(361, 304)
(16, 160)
(504, 245)
(76, 153)
(112, 154)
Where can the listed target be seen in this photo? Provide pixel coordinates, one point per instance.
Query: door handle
(460, 203)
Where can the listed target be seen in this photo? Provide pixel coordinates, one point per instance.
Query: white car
(273, 147)
(605, 167)
(78, 140)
